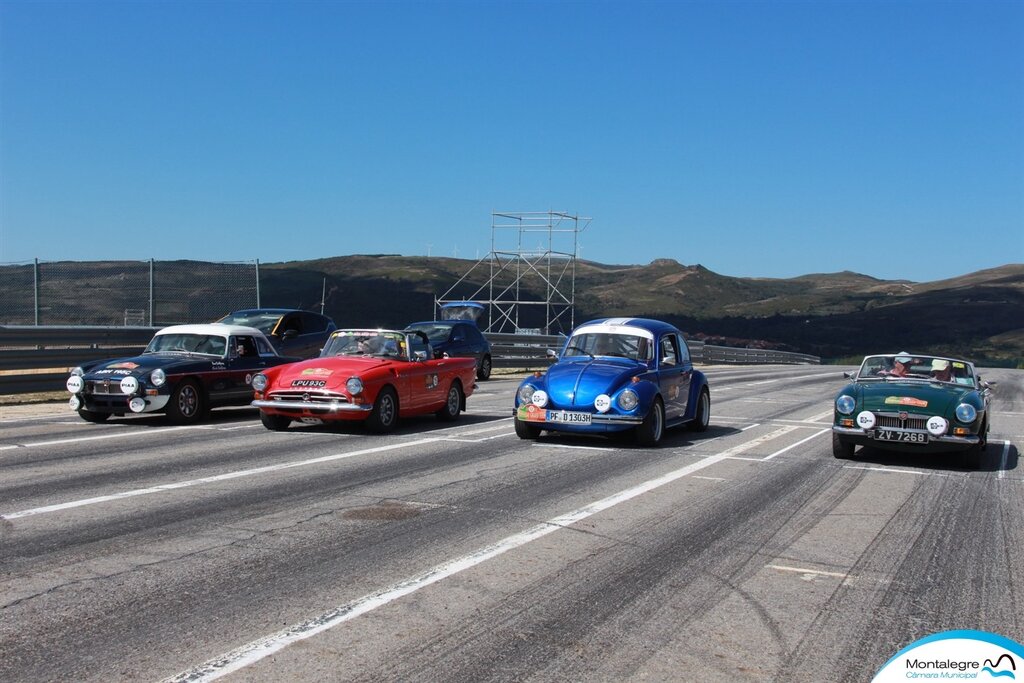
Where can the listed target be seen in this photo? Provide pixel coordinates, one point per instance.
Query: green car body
(913, 403)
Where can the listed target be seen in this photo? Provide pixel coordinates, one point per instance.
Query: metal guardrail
(46, 353)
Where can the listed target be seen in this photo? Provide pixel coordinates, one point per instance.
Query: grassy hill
(834, 315)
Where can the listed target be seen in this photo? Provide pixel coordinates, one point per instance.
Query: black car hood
(138, 366)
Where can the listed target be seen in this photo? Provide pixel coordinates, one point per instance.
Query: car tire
(275, 423)
(484, 371)
(841, 448)
(187, 403)
(452, 404)
(525, 430)
(651, 429)
(384, 415)
(702, 418)
(90, 416)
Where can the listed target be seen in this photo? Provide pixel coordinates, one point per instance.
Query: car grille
(103, 387)
(895, 421)
(317, 402)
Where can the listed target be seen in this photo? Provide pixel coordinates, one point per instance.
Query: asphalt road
(137, 551)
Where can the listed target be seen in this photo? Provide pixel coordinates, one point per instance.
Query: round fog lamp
(74, 403)
(936, 425)
(137, 405)
(603, 403)
(74, 384)
(539, 398)
(129, 385)
(865, 419)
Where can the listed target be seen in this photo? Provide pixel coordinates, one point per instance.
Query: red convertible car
(375, 376)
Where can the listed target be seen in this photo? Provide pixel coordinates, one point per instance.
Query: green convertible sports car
(913, 403)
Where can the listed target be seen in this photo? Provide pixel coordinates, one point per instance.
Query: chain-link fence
(151, 293)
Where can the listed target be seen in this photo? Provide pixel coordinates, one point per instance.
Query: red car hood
(325, 373)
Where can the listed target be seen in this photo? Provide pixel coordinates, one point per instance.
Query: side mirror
(848, 375)
(290, 334)
(551, 353)
(419, 355)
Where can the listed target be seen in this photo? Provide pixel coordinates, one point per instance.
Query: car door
(424, 376)
(674, 375)
(245, 359)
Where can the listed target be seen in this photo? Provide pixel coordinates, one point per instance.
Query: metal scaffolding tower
(530, 287)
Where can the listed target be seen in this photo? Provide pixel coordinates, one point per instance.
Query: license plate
(311, 420)
(568, 417)
(902, 437)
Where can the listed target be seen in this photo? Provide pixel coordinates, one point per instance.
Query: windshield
(208, 345)
(598, 344)
(366, 343)
(915, 367)
(436, 332)
(264, 322)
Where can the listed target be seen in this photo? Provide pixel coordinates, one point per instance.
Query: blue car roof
(653, 326)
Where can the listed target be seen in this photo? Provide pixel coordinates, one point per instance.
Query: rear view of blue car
(615, 375)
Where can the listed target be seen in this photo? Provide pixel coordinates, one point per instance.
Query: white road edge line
(784, 568)
(894, 471)
(208, 480)
(256, 650)
(798, 443)
(1002, 460)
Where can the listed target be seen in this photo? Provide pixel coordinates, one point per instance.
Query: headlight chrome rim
(845, 404)
(259, 381)
(525, 393)
(966, 413)
(354, 385)
(628, 399)
(158, 377)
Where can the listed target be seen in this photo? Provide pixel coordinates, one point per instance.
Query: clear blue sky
(756, 138)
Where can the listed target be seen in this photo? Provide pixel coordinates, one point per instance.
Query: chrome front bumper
(870, 434)
(312, 407)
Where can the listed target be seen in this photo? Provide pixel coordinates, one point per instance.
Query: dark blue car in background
(292, 332)
(615, 375)
(457, 335)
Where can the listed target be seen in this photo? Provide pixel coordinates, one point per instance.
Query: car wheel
(187, 403)
(650, 430)
(453, 404)
(841, 448)
(275, 423)
(484, 371)
(702, 418)
(90, 416)
(384, 415)
(525, 430)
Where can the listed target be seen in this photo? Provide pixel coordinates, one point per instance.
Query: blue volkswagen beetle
(614, 375)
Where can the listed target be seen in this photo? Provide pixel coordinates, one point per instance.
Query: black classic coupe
(185, 371)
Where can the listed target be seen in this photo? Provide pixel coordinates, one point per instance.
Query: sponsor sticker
(531, 413)
(432, 381)
(321, 372)
(126, 365)
(905, 401)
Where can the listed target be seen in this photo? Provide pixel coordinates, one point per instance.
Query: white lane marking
(697, 476)
(264, 647)
(231, 429)
(489, 428)
(207, 480)
(816, 572)
(569, 447)
(828, 413)
(480, 440)
(755, 384)
(894, 471)
(7, 448)
(119, 435)
(798, 443)
(1002, 460)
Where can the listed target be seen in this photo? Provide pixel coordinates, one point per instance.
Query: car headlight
(354, 385)
(966, 413)
(78, 371)
(526, 393)
(259, 381)
(845, 404)
(157, 377)
(628, 399)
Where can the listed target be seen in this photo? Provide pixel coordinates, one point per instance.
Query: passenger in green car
(941, 370)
